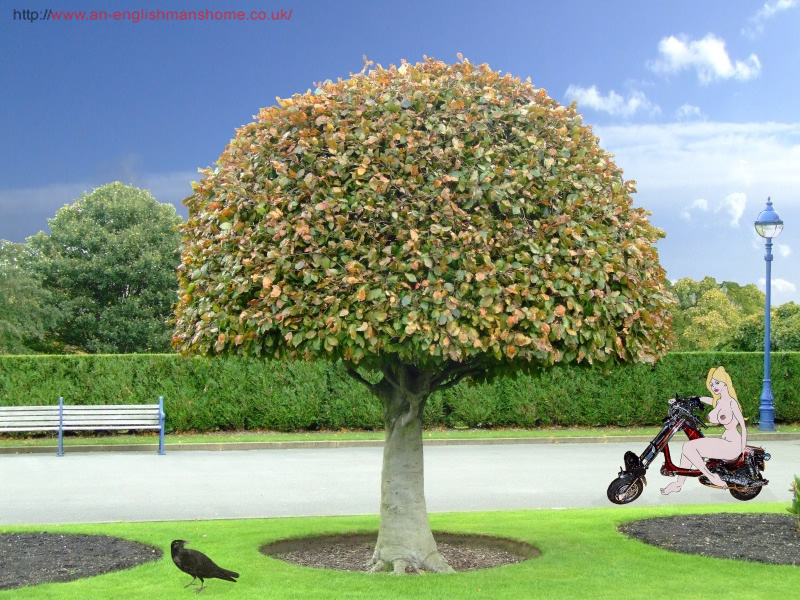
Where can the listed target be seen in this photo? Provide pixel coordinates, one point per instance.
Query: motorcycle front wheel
(623, 490)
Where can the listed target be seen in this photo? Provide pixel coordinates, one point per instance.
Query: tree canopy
(429, 213)
(109, 263)
(26, 312)
(729, 316)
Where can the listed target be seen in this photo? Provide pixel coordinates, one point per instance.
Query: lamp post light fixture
(768, 225)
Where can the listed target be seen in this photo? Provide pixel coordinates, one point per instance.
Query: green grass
(246, 436)
(583, 556)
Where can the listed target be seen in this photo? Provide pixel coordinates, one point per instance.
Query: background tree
(430, 223)
(688, 291)
(711, 323)
(109, 263)
(749, 335)
(713, 316)
(786, 332)
(728, 316)
(26, 312)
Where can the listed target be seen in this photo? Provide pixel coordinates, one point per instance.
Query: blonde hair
(720, 374)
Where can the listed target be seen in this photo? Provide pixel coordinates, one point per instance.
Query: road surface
(142, 486)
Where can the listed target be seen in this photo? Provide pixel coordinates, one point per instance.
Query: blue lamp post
(768, 225)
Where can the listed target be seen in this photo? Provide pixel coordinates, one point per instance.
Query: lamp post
(768, 225)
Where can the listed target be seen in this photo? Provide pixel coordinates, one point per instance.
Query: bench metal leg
(161, 419)
(60, 426)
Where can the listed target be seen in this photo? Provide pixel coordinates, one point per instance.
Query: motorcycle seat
(731, 463)
(747, 450)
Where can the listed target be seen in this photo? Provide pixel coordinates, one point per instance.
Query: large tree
(717, 316)
(787, 327)
(26, 311)
(109, 263)
(784, 332)
(423, 224)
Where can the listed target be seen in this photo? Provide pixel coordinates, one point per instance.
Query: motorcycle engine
(745, 476)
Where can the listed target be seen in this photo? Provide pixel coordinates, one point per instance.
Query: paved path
(142, 486)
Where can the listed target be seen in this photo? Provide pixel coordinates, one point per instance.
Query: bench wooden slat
(27, 417)
(14, 409)
(22, 413)
(109, 407)
(110, 413)
(120, 427)
(109, 416)
(28, 428)
(107, 419)
(100, 423)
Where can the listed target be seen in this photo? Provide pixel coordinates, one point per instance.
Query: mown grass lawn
(583, 556)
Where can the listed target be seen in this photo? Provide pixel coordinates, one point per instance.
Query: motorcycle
(742, 475)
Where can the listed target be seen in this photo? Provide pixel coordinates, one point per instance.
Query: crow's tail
(227, 575)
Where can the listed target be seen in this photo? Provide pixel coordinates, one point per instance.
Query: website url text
(137, 16)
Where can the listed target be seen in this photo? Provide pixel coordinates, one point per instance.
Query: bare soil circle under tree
(759, 537)
(34, 558)
(353, 551)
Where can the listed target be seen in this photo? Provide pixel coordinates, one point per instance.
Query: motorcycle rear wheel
(623, 490)
(746, 493)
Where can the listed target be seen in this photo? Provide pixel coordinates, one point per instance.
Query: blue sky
(698, 101)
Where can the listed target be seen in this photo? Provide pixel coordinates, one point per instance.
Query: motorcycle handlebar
(687, 406)
(692, 402)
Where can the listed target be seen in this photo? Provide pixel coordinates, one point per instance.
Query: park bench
(88, 417)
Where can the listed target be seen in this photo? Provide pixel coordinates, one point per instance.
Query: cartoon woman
(727, 412)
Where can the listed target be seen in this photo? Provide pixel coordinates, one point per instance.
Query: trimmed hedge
(234, 393)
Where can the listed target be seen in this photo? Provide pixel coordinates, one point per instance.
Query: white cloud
(688, 112)
(781, 250)
(779, 285)
(767, 11)
(611, 103)
(734, 205)
(756, 241)
(24, 211)
(700, 204)
(770, 10)
(170, 187)
(742, 156)
(708, 57)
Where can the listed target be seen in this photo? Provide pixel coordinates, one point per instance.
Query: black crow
(198, 565)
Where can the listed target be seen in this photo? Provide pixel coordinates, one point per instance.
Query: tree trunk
(405, 542)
